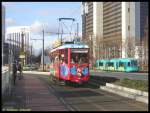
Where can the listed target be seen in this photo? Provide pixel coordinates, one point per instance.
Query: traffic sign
(22, 56)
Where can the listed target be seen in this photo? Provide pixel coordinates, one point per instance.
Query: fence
(6, 81)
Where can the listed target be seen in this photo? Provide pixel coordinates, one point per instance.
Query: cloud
(38, 26)
(59, 11)
(10, 21)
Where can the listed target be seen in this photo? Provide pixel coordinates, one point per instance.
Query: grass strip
(134, 84)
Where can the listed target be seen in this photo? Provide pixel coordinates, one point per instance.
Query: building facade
(113, 29)
(18, 40)
(3, 33)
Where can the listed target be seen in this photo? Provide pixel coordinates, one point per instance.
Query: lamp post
(22, 47)
(43, 49)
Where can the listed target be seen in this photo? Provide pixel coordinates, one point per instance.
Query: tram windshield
(79, 56)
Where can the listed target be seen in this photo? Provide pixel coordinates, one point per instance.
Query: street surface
(121, 75)
(37, 93)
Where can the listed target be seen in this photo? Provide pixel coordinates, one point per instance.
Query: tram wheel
(53, 79)
(62, 82)
(67, 82)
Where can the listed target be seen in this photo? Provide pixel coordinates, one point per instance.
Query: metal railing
(6, 81)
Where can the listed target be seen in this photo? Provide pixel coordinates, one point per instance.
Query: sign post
(22, 56)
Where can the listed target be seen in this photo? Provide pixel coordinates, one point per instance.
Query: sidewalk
(30, 94)
(126, 92)
(36, 72)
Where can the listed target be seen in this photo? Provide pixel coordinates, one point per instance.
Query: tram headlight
(79, 72)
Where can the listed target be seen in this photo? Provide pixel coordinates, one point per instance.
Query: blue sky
(38, 13)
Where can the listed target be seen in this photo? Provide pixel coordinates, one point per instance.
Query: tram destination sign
(79, 50)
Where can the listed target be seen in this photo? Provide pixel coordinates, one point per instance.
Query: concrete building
(18, 39)
(3, 32)
(143, 17)
(90, 24)
(113, 29)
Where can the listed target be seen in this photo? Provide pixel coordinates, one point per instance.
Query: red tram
(70, 63)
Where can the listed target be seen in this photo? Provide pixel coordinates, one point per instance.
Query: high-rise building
(113, 29)
(91, 17)
(143, 17)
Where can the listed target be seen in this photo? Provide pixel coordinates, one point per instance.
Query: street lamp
(43, 48)
(22, 47)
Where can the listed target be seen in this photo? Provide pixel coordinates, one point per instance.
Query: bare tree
(130, 47)
(145, 44)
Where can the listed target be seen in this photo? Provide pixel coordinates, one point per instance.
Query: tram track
(86, 97)
(53, 88)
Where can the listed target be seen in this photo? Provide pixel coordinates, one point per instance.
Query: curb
(138, 92)
(126, 92)
(35, 72)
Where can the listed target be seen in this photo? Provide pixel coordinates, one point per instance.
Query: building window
(128, 9)
(128, 27)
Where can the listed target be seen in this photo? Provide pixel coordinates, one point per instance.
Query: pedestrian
(14, 72)
(20, 70)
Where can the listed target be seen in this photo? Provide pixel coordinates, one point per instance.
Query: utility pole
(28, 48)
(31, 55)
(61, 36)
(43, 49)
(22, 48)
(77, 29)
(60, 19)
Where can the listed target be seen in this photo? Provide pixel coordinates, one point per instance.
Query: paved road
(37, 93)
(120, 75)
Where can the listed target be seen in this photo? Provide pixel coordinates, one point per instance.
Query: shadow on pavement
(79, 93)
(96, 81)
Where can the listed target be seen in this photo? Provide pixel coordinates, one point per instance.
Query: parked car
(30, 67)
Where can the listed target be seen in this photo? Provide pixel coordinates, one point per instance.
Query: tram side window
(100, 64)
(133, 63)
(121, 64)
(129, 64)
(51, 59)
(110, 64)
(64, 56)
(56, 59)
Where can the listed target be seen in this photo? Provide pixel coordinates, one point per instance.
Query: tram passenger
(72, 61)
(80, 61)
(76, 59)
(62, 61)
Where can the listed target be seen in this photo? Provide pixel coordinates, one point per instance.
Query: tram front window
(79, 58)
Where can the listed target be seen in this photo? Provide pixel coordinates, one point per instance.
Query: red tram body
(70, 62)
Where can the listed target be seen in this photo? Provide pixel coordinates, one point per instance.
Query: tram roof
(70, 46)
